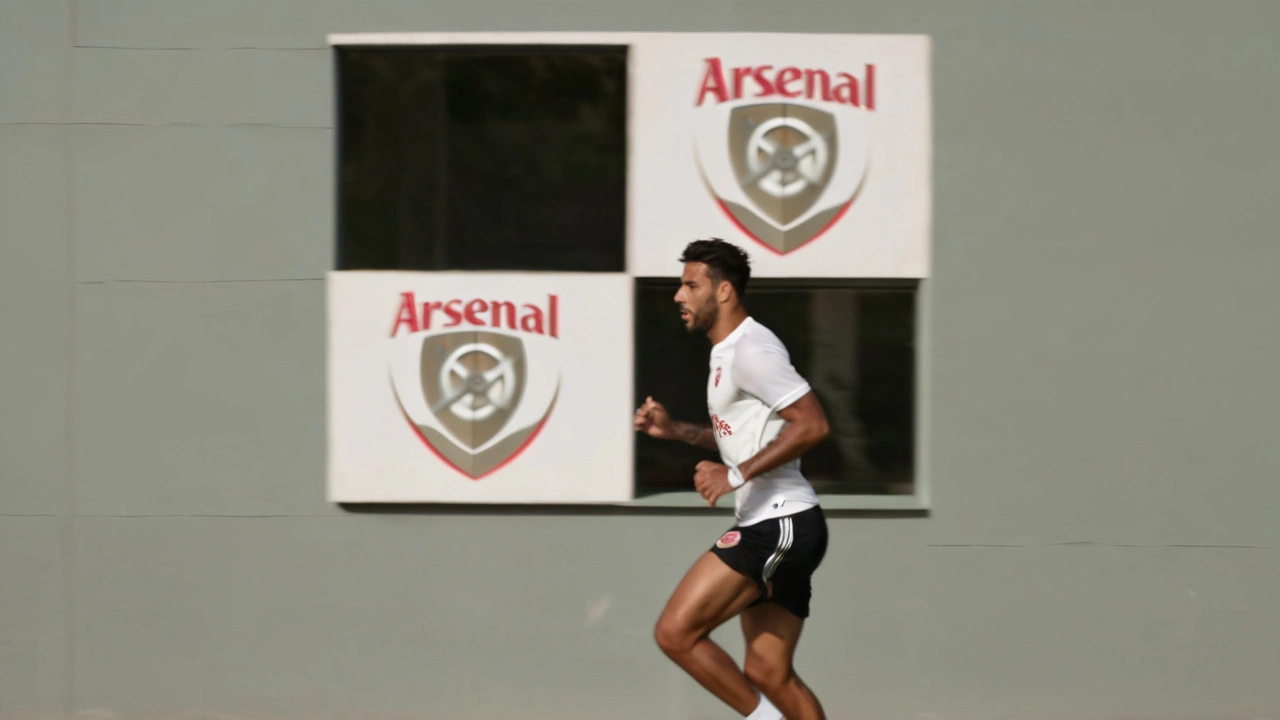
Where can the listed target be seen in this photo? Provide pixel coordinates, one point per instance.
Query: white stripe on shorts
(784, 544)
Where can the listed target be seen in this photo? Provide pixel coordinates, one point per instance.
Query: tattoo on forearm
(695, 434)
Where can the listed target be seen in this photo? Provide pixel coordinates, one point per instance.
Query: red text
(720, 427)
(413, 316)
(787, 82)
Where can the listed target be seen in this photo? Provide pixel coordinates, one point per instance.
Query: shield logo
(782, 172)
(783, 157)
(473, 384)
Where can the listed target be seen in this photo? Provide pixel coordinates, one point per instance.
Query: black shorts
(780, 555)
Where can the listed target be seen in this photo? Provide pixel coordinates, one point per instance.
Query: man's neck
(726, 324)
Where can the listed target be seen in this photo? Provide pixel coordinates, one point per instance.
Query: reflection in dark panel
(853, 344)
(482, 158)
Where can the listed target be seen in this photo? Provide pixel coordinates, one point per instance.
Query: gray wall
(1100, 351)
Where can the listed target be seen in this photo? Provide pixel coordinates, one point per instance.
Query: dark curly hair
(724, 261)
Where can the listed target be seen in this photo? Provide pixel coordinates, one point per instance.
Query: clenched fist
(652, 419)
(712, 481)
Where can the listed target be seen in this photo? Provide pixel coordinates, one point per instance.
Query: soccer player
(764, 416)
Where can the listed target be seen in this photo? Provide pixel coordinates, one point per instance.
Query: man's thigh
(710, 593)
(771, 633)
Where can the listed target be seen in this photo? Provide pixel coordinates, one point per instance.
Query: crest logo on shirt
(783, 149)
(476, 396)
(717, 384)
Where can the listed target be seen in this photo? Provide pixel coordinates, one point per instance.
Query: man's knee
(767, 674)
(672, 636)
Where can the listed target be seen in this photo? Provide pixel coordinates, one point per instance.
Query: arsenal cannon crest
(476, 397)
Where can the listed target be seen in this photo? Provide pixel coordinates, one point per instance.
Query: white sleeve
(767, 375)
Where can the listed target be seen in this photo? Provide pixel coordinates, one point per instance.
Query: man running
(764, 416)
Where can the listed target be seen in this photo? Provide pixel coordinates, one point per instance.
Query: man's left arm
(806, 427)
(770, 377)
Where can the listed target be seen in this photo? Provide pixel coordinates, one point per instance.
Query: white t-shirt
(751, 380)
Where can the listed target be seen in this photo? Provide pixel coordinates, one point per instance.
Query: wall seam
(69, 550)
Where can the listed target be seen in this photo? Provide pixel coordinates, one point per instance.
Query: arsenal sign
(783, 171)
(475, 398)
(479, 387)
(812, 151)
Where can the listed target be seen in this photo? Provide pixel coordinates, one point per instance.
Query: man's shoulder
(759, 337)
(760, 354)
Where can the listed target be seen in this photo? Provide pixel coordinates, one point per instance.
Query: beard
(702, 319)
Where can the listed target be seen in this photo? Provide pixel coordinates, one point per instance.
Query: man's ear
(723, 289)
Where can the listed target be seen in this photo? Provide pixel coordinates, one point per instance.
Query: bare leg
(710, 593)
(771, 633)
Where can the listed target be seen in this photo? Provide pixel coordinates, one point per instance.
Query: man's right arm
(694, 434)
(653, 420)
